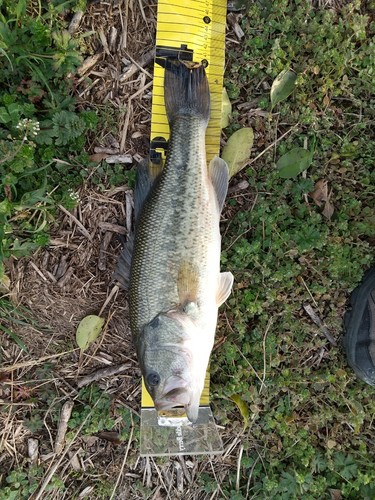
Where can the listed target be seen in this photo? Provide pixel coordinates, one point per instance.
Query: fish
(175, 284)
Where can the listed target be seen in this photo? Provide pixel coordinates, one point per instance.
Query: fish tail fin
(186, 90)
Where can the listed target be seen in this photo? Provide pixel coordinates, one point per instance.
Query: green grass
(310, 423)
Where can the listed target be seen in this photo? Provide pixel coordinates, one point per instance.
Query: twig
(138, 66)
(109, 371)
(53, 469)
(270, 321)
(272, 145)
(33, 362)
(308, 290)
(123, 464)
(66, 411)
(239, 468)
(79, 224)
(310, 311)
(114, 291)
(38, 271)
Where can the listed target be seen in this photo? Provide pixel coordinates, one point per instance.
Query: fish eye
(153, 379)
(155, 322)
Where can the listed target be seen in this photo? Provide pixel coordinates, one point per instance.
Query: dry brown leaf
(98, 157)
(335, 494)
(328, 210)
(321, 195)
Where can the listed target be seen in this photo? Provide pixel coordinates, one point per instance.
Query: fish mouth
(175, 393)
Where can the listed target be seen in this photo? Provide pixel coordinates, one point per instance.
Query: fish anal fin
(122, 271)
(224, 288)
(219, 175)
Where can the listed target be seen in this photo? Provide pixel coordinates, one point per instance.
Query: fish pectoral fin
(219, 175)
(147, 173)
(122, 271)
(225, 287)
(187, 283)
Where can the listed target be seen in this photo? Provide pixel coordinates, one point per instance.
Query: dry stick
(135, 67)
(114, 291)
(239, 468)
(308, 291)
(53, 469)
(310, 311)
(66, 411)
(264, 354)
(109, 371)
(272, 145)
(123, 464)
(16, 366)
(79, 224)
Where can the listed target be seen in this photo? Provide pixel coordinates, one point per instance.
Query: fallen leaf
(294, 162)
(88, 331)
(242, 406)
(335, 494)
(111, 436)
(328, 210)
(98, 157)
(282, 86)
(321, 195)
(226, 109)
(237, 150)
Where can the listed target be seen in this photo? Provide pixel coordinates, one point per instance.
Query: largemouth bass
(175, 282)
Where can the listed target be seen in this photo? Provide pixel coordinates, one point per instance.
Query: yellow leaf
(88, 331)
(242, 406)
(237, 150)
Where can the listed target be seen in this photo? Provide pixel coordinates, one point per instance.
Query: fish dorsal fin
(225, 287)
(122, 271)
(147, 173)
(187, 284)
(219, 175)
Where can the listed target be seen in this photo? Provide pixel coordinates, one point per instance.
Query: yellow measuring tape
(193, 30)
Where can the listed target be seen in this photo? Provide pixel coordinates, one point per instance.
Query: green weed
(42, 133)
(308, 418)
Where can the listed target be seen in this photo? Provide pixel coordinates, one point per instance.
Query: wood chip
(103, 372)
(104, 42)
(66, 412)
(233, 22)
(119, 159)
(102, 259)
(33, 450)
(112, 39)
(75, 22)
(109, 151)
(135, 67)
(89, 63)
(114, 228)
(63, 281)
